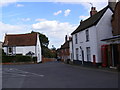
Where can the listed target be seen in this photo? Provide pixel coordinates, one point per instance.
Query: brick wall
(116, 20)
(48, 59)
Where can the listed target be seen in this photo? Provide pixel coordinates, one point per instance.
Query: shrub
(23, 58)
(17, 58)
(8, 59)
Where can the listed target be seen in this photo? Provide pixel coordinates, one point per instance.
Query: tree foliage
(43, 39)
(46, 52)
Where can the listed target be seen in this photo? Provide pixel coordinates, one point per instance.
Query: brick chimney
(93, 11)
(112, 3)
(66, 38)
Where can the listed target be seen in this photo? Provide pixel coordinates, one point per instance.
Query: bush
(16, 59)
(8, 59)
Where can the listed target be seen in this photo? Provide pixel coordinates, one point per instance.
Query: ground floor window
(76, 53)
(88, 53)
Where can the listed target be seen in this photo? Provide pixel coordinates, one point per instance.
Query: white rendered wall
(104, 30)
(101, 31)
(92, 43)
(24, 49)
(75, 46)
(21, 49)
(38, 50)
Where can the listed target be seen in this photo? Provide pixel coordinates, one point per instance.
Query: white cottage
(87, 37)
(25, 44)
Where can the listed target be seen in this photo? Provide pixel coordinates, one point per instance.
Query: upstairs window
(76, 40)
(87, 35)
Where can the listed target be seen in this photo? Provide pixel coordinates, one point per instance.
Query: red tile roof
(20, 39)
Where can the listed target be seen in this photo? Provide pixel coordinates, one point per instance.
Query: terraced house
(24, 44)
(86, 39)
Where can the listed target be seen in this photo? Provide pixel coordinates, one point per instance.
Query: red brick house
(63, 53)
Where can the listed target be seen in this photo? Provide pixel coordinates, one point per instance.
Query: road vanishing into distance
(57, 75)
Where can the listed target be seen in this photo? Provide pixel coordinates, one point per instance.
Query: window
(76, 53)
(88, 53)
(87, 35)
(10, 49)
(76, 41)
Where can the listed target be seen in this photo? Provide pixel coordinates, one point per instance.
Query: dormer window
(87, 35)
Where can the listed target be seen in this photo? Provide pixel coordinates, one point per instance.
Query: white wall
(92, 43)
(38, 50)
(21, 49)
(104, 30)
(101, 31)
(75, 45)
(25, 49)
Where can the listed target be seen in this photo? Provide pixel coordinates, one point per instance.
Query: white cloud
(19, 5)
(7, 2)
(11, 29)
(83, 17)
(26, 19)
(67, 12)
(55, 30)
(58, 12)
(40, 19)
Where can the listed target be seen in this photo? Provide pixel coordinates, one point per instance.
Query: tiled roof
(65, 45)
(93, 20)
(20, 39)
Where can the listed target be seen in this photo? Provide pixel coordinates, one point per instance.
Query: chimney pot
(93, 11)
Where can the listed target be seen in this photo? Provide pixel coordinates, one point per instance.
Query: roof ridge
(93, 20)
(19, 34)
(20, 39)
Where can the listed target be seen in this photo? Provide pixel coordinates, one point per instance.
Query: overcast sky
(54, 18)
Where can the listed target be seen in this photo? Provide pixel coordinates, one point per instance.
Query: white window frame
(77, 53)
(88, 51)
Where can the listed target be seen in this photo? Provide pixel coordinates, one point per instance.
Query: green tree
(43, 39)
(46, 52)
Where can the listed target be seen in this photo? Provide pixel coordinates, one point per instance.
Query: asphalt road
(56, 75)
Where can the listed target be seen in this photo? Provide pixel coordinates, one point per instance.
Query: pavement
(56, 75)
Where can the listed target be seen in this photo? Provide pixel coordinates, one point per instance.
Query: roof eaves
(92, 23)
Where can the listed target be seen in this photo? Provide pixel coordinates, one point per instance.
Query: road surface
(56, 75)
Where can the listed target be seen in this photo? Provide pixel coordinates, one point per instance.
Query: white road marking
(18, 72)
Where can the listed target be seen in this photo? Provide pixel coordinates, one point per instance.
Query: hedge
(16, 58)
